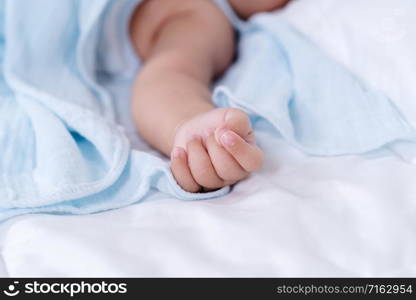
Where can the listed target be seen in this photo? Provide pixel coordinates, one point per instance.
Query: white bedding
(298, 216)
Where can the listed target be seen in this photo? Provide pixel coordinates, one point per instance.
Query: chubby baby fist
(214, 149)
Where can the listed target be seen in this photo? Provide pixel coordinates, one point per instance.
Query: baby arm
(184, 44)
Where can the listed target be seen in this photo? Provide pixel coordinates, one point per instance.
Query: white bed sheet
(298, 216)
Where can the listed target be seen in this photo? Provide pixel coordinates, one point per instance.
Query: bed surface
(298, 216)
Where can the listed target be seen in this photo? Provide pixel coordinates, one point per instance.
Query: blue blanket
(61, 150)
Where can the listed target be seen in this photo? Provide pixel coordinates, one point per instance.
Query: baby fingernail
(177, 152)
(228, 139)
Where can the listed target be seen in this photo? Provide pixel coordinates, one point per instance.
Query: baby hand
(214, 149)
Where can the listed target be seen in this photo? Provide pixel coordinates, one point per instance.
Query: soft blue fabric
(312, 101)
(60, 149)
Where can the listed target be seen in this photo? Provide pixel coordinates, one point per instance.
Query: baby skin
(184, 45)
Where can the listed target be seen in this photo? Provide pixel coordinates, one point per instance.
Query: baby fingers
(248, 155)
(201, 166)
(224, 164)
(181, 171)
